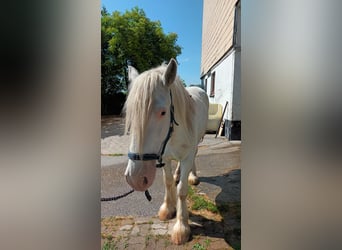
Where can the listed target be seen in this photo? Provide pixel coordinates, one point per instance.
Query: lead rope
(114, 198)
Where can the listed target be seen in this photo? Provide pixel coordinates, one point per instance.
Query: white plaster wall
(224, 78)
(236, 111)
(237, 68)
(228, 78)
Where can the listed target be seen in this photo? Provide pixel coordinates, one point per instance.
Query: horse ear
(132, 73)
(171, 72)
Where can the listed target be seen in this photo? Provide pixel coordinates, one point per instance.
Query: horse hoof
(193, 180)
(180, 234)
(166, 213)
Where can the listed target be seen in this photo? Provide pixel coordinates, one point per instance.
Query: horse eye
(163, 113)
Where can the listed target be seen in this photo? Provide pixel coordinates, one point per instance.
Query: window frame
(212, 85)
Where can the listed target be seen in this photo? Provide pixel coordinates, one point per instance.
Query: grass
(147, 239)
(112, 154)
(115, 244)
(167, 243)
(204, 246)
(107, 236)
(198, 246)
(109, 245)
(199, 202)
(207, 242)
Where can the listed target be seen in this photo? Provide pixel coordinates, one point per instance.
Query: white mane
(139, 103)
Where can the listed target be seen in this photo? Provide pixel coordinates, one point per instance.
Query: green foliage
(131, 38)
(183, 81)
(207, 242)
(109, 245)
(116, 154)
(199, 202)
(198, 246)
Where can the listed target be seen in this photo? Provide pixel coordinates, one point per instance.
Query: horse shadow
(228, 202)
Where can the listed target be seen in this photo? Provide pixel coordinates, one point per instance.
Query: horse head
(149, 120)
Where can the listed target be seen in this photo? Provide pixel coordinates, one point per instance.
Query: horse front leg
(168, 208)
(181, 230)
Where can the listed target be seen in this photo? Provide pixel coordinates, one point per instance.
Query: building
(221, 60)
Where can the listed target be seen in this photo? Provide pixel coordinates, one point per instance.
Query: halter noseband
(149, 157)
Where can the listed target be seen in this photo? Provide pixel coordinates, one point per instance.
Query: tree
(131, 38)
(183, 81)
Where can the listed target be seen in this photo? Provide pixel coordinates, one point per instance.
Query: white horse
(166, 122)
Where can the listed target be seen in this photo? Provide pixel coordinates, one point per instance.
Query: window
(212, 86)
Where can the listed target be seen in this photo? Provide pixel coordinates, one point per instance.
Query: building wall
(221, 56)
(237, 67)
(224, 79)
(217, 31)
(236, 101)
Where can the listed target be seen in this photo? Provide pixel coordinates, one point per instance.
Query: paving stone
(159, 226)
(135, 231)
(129, 221)
(126, 228)
(138, 246)
(159, 231)
(120, 233)
(155, 220)
(137, 242)
(144, 229)
(123, 244)
(139, 221)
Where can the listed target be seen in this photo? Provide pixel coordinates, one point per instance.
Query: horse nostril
(145, 180)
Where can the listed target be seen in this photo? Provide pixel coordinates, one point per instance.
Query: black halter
(149, 157)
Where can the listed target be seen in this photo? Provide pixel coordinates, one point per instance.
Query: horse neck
(183, 107)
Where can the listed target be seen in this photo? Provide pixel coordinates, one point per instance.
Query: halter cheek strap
(149, 157)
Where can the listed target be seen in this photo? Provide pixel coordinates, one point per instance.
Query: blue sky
(183, 17)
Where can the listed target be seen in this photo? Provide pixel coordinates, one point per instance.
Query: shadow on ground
(228, 202)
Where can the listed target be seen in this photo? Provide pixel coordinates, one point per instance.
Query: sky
(183, 17)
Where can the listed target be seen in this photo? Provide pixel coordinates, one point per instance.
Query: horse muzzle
(140, 174)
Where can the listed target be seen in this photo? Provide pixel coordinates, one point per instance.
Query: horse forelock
(139, 104)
